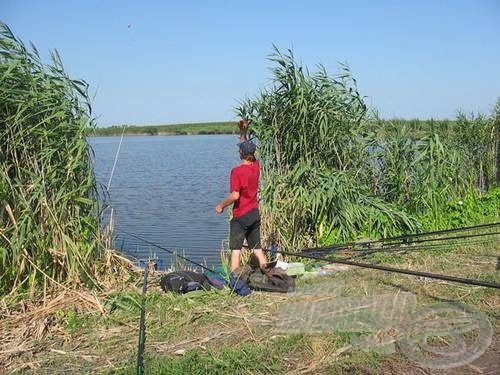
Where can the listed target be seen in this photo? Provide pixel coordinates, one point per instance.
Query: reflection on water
(165, 188)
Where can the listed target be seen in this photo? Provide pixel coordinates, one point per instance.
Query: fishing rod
(404, 240)
(397, 270)
(397, 248)
(448, 238)
(350, 263)
(362, 254)
(405, 237)
(439, 232)
(167, 250)
(403, 248)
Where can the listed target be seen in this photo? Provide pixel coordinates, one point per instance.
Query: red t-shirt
(245, 180)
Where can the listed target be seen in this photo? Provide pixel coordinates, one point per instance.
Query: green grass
(218, 332)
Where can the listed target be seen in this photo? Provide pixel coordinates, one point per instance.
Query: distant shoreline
(230, 127)
(154, 135)
(209, 128)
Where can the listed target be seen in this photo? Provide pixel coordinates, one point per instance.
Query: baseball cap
(247, 147)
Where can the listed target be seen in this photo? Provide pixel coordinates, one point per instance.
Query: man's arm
(230, 199)
(243, 125)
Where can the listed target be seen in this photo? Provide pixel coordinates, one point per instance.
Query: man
(244, 184)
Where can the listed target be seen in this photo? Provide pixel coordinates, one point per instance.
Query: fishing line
(167, 250)
(116, 160)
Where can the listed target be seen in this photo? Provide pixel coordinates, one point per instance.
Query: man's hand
(231, 198)
(243, 124)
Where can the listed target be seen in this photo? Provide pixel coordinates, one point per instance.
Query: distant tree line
(177, 129)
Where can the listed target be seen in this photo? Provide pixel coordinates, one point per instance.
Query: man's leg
(235, 260)
(261, 257)
(253, 238)
(236, 238)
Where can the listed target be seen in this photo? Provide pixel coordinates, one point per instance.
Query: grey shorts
(246, 226)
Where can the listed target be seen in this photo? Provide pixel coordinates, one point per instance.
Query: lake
(164, 189)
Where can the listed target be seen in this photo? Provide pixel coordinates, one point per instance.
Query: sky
(167, 62)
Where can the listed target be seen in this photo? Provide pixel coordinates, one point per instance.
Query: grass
(218, 332)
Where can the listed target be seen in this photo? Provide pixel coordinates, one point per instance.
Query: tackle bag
(183, 282)
(273, 280)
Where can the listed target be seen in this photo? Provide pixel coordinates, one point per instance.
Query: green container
(295, 269)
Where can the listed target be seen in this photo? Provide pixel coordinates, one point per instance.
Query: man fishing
(244, 184)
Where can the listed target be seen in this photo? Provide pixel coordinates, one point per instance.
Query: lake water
(164, 189)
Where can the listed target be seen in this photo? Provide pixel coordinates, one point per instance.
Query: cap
(247, 147)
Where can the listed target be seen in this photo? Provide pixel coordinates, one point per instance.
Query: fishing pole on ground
(404, 249)
(396, 270)
(351, 263)
(405, 240)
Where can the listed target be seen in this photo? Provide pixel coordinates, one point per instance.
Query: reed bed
(49, 210)
(333, 171)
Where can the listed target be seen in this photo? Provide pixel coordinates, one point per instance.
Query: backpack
(274, 280)
(183, 282)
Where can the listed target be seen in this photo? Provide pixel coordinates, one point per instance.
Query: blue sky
(160, 62)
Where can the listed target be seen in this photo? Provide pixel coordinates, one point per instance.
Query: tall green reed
(49, 219)
(314, 147)
(334, 172)
(495, 136)
(475, 135)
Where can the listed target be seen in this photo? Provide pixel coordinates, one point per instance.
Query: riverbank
(219, 332)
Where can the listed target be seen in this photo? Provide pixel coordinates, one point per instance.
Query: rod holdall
(273, 280)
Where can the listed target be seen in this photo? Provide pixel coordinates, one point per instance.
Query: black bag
(184, 282)
(274, 280)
